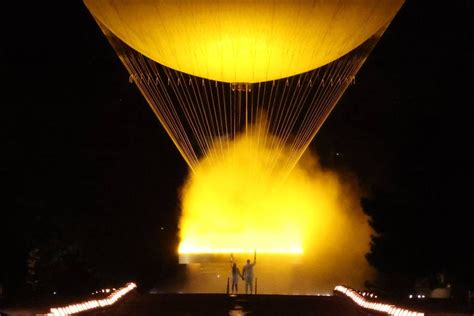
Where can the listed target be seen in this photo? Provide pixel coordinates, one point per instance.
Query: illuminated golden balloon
(242, 88)
(243, 41)
(210, 69)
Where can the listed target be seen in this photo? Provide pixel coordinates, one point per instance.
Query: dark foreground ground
(220, 304)
(136, 303)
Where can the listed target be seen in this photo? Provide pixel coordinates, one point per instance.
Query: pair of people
(247, 274)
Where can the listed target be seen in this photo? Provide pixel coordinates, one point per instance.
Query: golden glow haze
(237, 204)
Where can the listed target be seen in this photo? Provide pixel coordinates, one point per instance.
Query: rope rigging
(204, 116)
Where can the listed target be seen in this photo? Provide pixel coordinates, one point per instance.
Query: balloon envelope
(243, 41)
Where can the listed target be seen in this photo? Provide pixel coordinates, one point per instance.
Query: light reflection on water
(237, 311)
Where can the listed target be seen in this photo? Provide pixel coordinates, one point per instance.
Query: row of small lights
(381, 307)
(416, 296)
(367, 294)
(84, 306)
(102, 291)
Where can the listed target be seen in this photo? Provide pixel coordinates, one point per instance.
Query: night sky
(85, 163)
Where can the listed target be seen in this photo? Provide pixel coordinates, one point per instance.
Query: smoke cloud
(305, 223)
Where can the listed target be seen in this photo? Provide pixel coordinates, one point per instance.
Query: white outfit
(235, 278)
(248, 276)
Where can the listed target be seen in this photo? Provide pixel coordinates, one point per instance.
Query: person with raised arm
(248, 273)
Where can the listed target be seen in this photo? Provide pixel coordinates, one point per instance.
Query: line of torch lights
(91, 304)
(380, 307)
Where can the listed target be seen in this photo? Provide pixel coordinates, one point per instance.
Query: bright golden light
(243, 41)
(189, 247)
(240, 197)
(235, 205)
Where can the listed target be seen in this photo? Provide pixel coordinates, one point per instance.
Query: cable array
(203, 117)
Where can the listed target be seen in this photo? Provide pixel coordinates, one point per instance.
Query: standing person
(235, 275)
(248, 274)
